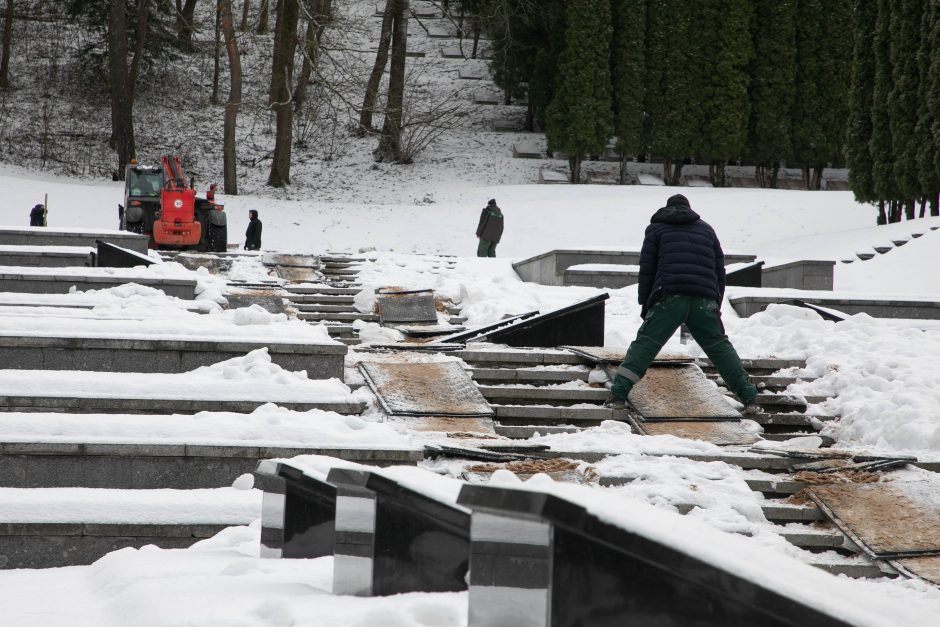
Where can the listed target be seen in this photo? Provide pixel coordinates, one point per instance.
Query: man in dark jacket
(682, 280)
(253, 234)
(490, 229)
(37, 215)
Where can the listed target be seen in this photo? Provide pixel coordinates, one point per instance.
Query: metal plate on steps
(887, 520)
(425, 389)
(925, 568)
(679, 392)
(297, 261)
(296, 273)
(415, 307)
(615, 354)
(268, 301)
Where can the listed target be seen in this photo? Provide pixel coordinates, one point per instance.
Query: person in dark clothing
(37, 215)
(253, 234)
(489, 230)
(210, 195)
(682, 280)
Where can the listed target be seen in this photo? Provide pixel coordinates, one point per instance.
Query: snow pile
(616, 438)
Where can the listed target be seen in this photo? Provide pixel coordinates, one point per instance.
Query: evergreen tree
(627, 71)
(579, 116)
(858, 136)
(903, 105)
(823, 58)
(882, 153)
(542, 82)
(722, 31)
(928, 124)
(773, 87)
(672, 120)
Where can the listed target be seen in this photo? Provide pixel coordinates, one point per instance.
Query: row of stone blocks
(527, 557)
(46, 236)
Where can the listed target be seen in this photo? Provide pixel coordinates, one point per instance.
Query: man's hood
(675, 214)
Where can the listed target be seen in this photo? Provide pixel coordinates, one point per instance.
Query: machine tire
(135, 227)
(217, 239)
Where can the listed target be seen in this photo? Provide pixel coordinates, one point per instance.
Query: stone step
(524, 432)
(527, 394)
(781, 403)
(337, 317)
(118, 404)
(770, 383)
(349, 341)
(149, 466)
(64, 280)
(783, 485)
(320, 299)
(810, 538)
(323, 308)
(165, 356)
(760, 366)
(51, 236)
(510, 357)
(341, 259)
(783, 437)
(780, 512)
(26, 256)
(856, 570)
(339, 330)
(535, 414)
(790, 420)
(456, 320)
(530, 376)
(340, 272)
(322, 290)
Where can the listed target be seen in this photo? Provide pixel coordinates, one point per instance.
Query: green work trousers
(486, 248)
(702, 318)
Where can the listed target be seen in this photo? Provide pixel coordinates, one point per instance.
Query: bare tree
(389, 148)
(234, 99)
(262, 28)
(7, 36)
(214, 98)
(282, 78)
(122, 80)
(185, 12)
(246, 11)
(375, 78)
(318, 14)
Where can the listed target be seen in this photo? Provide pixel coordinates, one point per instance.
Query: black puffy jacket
(680, 255)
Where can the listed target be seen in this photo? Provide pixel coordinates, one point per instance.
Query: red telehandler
(160, 203)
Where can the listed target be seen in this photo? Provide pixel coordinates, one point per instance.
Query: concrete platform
(801, 275)
(549, 268)
(753, 302)
(148, 465)
(62, 280)
(45, 256)
(70, 352)
(51, 236)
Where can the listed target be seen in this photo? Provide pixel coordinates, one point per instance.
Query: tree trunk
(894, 214)
(667, 171)
(760, 173)
(246, 11)
(122, 124)
(7, 37)
(214, 98)
(143, 20)
(775, 175)
(262, 28)
(676, 173)
(316, 22)
(389, 148)
(934, 205)
(622, 178)
(282, 79)
(378, 68)
(574, 164)
(717, 174)
(909, 209)
(806, 176)
(818, 177)
(882, 216)
(234, 99)
(923, 206)
(184, 24)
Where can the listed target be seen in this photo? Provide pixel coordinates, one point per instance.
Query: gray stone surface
(74, 405)
(45, 236)
(504, 393)
(800, 275)
(46, 258)
(321, 361)
(51, 546)
(749, 305)
(25, 282)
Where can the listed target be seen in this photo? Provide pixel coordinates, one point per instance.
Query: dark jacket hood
(676, 212)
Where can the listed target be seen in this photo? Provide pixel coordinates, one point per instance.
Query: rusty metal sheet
(925, 568)
(407, 308)
(679, 392)
(297, 273)
(462, 427)
(888, 519)
(615, 354)
(425, 389)
(722, 433)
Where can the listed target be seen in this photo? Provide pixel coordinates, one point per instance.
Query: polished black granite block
(580, 324)
(391, 539)
(602, 575)
(309, 512)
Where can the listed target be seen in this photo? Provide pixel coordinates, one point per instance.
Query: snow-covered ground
(879, 376)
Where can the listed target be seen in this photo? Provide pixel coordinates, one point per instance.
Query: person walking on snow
(37, 215)
(490, 229)
(253, 234)
(682, 280)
